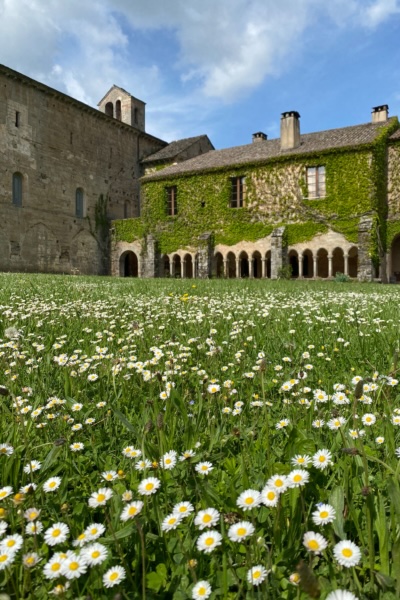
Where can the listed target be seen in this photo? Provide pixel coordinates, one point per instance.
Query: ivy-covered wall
(275, 194)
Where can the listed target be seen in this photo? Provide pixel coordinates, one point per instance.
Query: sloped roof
(117, 87)
(395, 135)
(173, 149)
(262, 151)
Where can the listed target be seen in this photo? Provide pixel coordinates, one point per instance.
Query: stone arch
(109, 109)
(337, 261)
(219, 265)
(188, 266)
(308, 264)
(268, 264)
(294, 263)
(177, 265)
(244, 268)
(231, 266)
(257, 265)
(353, 261)
(40, 251)
(322, 263)
(129, 264)
(118, 111)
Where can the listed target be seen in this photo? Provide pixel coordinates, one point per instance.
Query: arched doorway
(165, 266)
(129, 264)
(176, 262)
(337, 261)
(219, 265)
(308, 264)
(244, 264)
(322, 262)
(353, 261)
(188, 266)
(257, 268)
(268, 264)
(294, 263)
(231, 265)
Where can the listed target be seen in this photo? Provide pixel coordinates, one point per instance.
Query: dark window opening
(172, 205)
(17, 189)
(135, 116)
(79, 203)
(237, 190)
(17, 119)
(118, 113)
(109, 109)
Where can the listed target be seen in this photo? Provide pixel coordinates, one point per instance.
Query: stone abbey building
(89, 191)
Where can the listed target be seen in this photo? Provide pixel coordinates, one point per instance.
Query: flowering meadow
(198, 439)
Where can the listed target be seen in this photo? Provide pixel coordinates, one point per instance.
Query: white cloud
(379, 11)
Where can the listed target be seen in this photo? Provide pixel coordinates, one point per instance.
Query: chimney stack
(259, 137)
(380, 114)
(290, 130)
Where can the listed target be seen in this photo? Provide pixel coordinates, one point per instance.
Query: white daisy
(209, 540)
(31, 514)
(324, 514)
(314, 542)
(73, 566)
(368, 419)
(131, 510)
(206, 518)
(202, 589)
(249, 499)
(168, 461)
(6, 558)
(34, 528)
(12, 542)
(301, 460)
(269, 496)
(109, 475)
(257, 574)
(114, 576)
(100, 497)
(278, 483)
(171, 522)
(183, 508)
(149, 486)
(347, 553)
(297, 478)
(322, 459)
(341, 595)
(5, 491)
(34, 465)
(56, 534)
(30, 560)
(240, 531)
(52, 484)
(94, 554)
(94, 531)
(204, 468)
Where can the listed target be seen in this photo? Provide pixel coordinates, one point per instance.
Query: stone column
(330, 258)
(226, 272)
(171, 267)
(183, 264)
(365, 270)
(346, 264)
(251, 268)
(300, 266)
(238, 261)
(263, 268)
(278, 251)
(150, 258)
(315, 265)
(204, 256)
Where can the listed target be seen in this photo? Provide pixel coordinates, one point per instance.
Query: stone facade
(51, 146)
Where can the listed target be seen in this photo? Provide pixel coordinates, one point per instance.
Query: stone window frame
(316, 182)
(237, 191)
(17, 188)
(171, 200)
(79, 203)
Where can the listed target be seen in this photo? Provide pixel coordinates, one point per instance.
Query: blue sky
(226, 68)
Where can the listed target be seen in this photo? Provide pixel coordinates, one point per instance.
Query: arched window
(118, 112)
(17, 189)
(109, 109)
(79, 203)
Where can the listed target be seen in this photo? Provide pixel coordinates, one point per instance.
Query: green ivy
(275, 195)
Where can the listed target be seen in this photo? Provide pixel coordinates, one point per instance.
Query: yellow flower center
(322, 459)
(279, 483)
(132, 510)
(241, 531)
(30, 560)
(74, 566)
(182, 509)
(168, 461)
(10, 543)
(207, 518)
(3, 557)
(347, 552)
(56, 566)
(114, 576)
(249, 500)
(56, 532)
(271, 495)
(93, 531)
(209, 541)
(52, 484)
(300, 460)
(95, 554)
(313, 545)
(201, 591)
(3, 494)
(297, 478)
(149, 486)
(172, 520)
(101, 497)
(323, 514)
(256, 574)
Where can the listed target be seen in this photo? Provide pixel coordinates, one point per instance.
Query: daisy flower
(94, 531)
(113, 576)
(131, 510)
(77, 446)
(3, 527)
(314, 542)
(213, 388)
(171, 522)
(257, 574)
(100, 497)
(142, 465)
(56, 534)
(278, 483)
(202, 589)
(34, 528)
(73, 566)
(81, 540)
(209, 540)
(109, 475)
(347, 553)
(149, 486)
(34, 465)
(30, 560)
(297, 478)
(269, 496)
(322, 459)
(187, 454)
(6, 449)
(301, 460)
(240, 531)
(12, 542)
(368, 419)
(206, 518)
(31, 514)
(397, 452)
(249, 499)
(52, 484)
(6, 558)
(131, 452)
(282, 424)
(183, 508)
(341, 595)
(168, 461)
(94, 554)
(204, 468)
(324, 514)
(5, 491)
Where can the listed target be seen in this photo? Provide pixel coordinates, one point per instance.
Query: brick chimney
(259, 137)
(290, 130)
(380, 114)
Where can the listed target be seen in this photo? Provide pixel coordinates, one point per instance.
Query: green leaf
(123, 420)
(121, 534)
(336, 499)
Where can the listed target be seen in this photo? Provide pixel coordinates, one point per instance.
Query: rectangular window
(172, 205)
(79, 204)
(17, 119)
(237, 188)
(316, 182)
(17, 189)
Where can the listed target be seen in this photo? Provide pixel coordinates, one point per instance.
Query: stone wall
(394, 181)
(58, 145)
